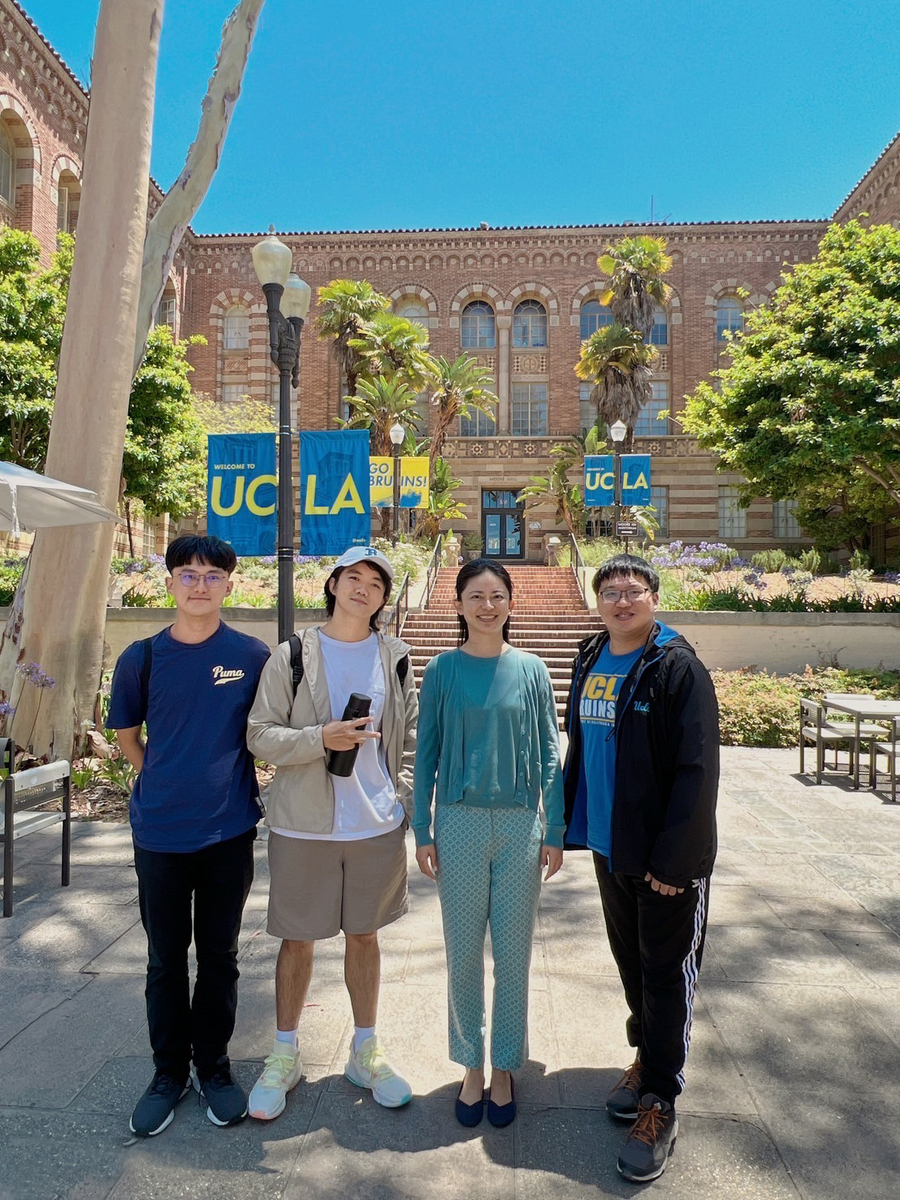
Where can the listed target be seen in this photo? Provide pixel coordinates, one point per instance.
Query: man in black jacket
(641, 781)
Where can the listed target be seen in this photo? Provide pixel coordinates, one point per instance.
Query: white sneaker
(281, 1072)
(368, 1067)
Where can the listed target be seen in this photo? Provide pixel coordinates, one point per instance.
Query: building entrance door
(502, 524)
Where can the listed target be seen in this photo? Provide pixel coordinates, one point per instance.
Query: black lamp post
(287, 303)
(617, 432)
(398, 433)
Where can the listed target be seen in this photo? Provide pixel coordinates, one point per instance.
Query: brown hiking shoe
(624, 1099)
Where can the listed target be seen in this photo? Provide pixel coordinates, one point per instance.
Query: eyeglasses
(614, 595)
(189, 579)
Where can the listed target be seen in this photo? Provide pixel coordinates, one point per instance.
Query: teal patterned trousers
(488, 873)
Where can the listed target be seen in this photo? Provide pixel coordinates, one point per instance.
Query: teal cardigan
(440, 767)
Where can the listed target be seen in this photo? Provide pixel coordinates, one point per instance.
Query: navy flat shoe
(501, 1115)
(469, 1114)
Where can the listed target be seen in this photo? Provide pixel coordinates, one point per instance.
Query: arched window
(729, 317)
(530, 324)
(413, 308)
(477, 330)
(594, 316)
(659, 334)
(7, 165)
(237, 329)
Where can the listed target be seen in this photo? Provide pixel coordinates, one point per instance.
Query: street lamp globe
(296, 298)
(617, 431)
(271, 261)
(398, 433)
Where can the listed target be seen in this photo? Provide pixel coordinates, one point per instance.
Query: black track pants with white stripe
(657, 942)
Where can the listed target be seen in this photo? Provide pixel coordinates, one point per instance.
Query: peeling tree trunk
(120, 269)
(186, 193)
(65, 603)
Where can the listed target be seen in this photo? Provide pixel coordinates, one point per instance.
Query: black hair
(338, 572)
(477, 567)
(211, 550)
(627, 565)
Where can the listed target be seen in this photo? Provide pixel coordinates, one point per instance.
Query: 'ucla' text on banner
(241, 491)
(334, 491)
(599, 480)
(635, 478)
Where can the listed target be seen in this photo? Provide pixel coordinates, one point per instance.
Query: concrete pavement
(792, 1079)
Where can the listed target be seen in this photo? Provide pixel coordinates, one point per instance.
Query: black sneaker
(156, 1108)
(624, 1098)
(651, 1140)
(226, 1100)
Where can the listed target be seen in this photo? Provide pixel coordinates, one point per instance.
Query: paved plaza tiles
(792, 1083)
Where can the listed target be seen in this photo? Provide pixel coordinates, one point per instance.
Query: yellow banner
(413, 481)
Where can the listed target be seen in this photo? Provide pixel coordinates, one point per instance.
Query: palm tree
(555, 485)
(392, 346)
(617, 362)
(462, 385)
(345, 305)
(635, 266)
(378, 404)
(442, 504)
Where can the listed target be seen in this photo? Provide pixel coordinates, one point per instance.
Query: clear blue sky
(363, 115)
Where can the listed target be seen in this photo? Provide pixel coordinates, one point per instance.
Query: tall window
(477, 332)
(529, 409)
(659, 334)
(529, 325)
(648, 422)
(784, 520)
(7, 163)
(732, 518)
(729, 317)
(165, 313)
(587, 410)
(659, 498)
(477, 424)
(233, 393)
(62, 209)
(594, 316)
(237, 329)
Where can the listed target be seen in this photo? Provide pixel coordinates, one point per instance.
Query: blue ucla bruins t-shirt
(198, 785)
(597, 710)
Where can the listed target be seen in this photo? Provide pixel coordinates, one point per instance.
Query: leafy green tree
(461, 386)
(809, 407)
(164, 464)
(345, 305)
(635, 266)
(442, 504)
(32, 310)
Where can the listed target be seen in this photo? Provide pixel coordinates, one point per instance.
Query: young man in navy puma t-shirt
(194, 811)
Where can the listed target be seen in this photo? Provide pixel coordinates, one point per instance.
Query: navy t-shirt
(198, 784)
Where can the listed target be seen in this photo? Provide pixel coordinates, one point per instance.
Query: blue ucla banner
(334, 491)
(599, 480)
(241, 491)
(635, 479)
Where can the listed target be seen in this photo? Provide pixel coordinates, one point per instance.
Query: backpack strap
(403, 669)
(146, 668)
(296, 660)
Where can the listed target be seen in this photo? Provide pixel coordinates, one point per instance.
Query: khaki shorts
(317, 888)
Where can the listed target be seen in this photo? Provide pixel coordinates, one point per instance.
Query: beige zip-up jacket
(286, 731)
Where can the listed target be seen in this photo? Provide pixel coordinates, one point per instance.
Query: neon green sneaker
(281, 1072)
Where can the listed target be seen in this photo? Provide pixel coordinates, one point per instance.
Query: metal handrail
(576, 562)
(394, 622)
(434, 566)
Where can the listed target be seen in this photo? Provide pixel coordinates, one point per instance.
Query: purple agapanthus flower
(36, 675)
(6, 709)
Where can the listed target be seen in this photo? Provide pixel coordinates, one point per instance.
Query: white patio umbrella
(32, 501)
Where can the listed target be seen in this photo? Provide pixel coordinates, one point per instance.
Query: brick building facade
(519, 299)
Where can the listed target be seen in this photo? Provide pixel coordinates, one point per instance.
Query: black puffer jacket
(667, 762)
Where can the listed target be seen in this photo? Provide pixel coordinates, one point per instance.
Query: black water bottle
(341, 762)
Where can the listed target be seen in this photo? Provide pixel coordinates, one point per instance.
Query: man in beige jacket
(337, 854)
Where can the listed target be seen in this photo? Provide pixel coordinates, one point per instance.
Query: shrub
(769, 561)
(10, 574)
(757, 708)
(810, 560)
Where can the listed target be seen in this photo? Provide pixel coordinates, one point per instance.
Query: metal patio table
(863, 708)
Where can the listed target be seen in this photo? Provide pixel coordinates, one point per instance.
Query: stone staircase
(549, 620)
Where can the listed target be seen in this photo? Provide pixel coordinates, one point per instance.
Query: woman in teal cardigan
(488, 753)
